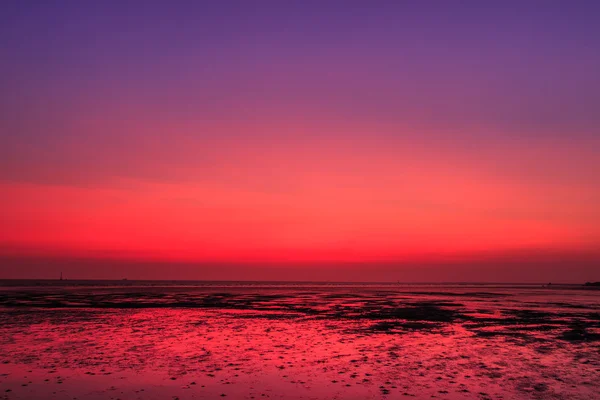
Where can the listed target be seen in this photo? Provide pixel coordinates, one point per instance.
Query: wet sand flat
(299, 342)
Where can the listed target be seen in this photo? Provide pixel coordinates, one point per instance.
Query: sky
(367, 141)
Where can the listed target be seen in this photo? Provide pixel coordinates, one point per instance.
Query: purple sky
(293, 133)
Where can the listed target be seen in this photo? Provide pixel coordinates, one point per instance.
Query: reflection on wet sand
(299, 342)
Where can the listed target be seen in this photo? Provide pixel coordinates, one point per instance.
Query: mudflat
(298, 341)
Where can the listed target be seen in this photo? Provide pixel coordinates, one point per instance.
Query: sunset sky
(411, 141)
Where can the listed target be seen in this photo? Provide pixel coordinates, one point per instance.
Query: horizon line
(297, 281)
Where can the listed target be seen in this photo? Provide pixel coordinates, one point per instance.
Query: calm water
(167, 340)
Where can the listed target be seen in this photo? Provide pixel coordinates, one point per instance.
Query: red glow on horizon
(316, 202)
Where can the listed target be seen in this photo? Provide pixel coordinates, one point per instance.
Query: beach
(298, 341)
